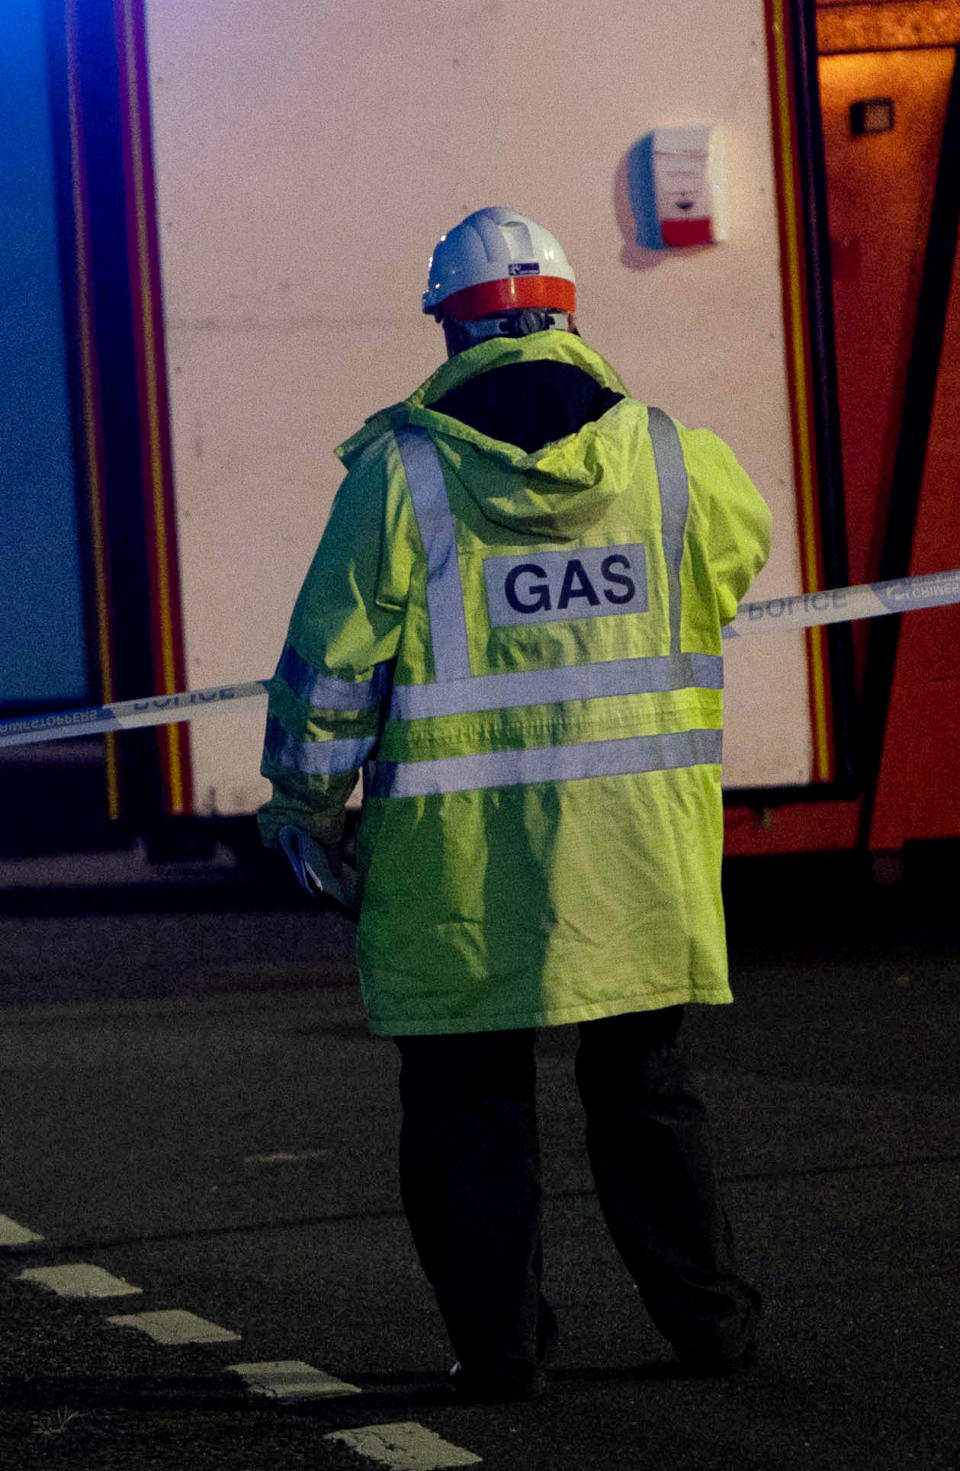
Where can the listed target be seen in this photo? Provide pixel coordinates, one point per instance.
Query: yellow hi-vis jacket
(523, 654)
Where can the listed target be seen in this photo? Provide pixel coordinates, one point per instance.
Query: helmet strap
(463, 335)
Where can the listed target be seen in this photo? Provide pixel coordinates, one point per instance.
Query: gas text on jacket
(550, 587)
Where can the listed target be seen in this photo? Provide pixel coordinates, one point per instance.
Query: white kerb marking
(291, 1379)
(404, 1446)
(283, 1158)
(79, 1280)
(172, 1325)
(12, 1234)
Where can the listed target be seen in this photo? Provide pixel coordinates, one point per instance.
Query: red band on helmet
(551, 293)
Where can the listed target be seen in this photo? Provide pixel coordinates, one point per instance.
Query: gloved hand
(321, 870)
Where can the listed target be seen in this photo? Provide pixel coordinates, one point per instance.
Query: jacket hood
(556, 492)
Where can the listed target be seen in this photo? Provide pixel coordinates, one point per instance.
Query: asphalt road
(191, 1101)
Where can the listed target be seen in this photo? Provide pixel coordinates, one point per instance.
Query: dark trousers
(470, 1180)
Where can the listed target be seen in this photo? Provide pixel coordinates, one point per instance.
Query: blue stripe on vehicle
(624, 757)
(674, 506)
(315, 758)
(324, 691)
(550, 686)
(448, 622)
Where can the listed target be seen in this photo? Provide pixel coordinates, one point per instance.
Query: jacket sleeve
(734, 516)
(326, 699)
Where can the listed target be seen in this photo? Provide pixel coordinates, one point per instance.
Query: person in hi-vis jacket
(512, 628)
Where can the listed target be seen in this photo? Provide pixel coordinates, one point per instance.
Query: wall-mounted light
(678, 187)
(872, 115)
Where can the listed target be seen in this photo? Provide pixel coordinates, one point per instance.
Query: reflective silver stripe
(623, 757)
(448, 622)
(315, 758)
(548, 686)
(674, 504)
(323, 690)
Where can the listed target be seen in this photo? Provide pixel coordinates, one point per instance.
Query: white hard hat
(494, 261)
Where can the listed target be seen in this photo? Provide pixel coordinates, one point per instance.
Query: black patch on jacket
(528, 404)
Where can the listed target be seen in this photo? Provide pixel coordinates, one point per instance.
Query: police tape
(846, 604)
(798, 610)
(129, 714)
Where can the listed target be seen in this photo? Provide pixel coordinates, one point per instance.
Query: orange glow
(885, 26)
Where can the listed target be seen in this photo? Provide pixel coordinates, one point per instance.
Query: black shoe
(472, 1389)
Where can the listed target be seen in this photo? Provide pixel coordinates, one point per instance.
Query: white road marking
(12, 1234)
(79, 1280)
(291, 1379)
(286, 1159)
(173, 1325)
(405, 1446)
